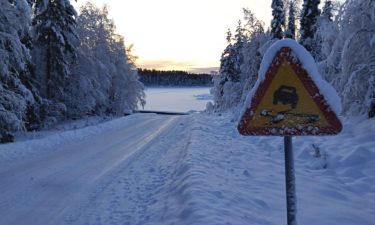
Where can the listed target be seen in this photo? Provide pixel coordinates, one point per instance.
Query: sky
(179, 34)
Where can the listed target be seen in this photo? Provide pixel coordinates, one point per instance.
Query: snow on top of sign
(308, 63)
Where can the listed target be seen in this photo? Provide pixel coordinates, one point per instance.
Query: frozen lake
(177, 99)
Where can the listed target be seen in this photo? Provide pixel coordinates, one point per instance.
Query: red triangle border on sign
(286, 53)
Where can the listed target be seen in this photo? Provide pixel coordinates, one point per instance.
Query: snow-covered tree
(327, 11)
(91, 75)
(278, 21)
(241, 59)
(252, 25)
(358, 57)
(15, 96)
(104, 75)
(126, 90)
(54, 37)
(309, 16)
(326, 32)
(227, 91)
(342, 39)
(226, 67)
(350, 64)
(291, 27)
(252, 51)
(238, 45)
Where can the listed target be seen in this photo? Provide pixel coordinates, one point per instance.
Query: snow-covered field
(183, 100)
(196, 169)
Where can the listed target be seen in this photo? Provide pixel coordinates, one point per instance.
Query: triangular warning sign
(288, 102)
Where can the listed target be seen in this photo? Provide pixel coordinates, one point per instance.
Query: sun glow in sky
(179, 34)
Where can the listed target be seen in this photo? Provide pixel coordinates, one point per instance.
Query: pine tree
(239, 41)
(327, 12)
(54, 40)
(310, 13)
(231, 57)
(229, 37)
(326, 33)
(240, 62)
(278, 21)
(227, 67)
(291, 28)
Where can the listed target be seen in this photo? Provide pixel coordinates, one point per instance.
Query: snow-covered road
(148, 169)
(46, 188)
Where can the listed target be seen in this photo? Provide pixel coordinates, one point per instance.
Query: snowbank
(240, 180)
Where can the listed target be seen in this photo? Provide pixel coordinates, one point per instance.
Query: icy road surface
(44, 189)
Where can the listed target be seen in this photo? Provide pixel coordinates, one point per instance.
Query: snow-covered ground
(177, 99)
(196, 169)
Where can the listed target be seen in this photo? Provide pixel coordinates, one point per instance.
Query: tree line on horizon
(340, 37)
(153, 77)
(57, 65)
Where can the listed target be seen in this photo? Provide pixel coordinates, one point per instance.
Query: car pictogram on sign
(286, 95)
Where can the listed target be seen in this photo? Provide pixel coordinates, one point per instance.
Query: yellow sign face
(287, 103)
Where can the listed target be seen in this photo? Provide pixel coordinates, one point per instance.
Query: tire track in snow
(141, 192)
(46, 188)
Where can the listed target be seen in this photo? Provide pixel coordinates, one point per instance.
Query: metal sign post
(290, 187)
